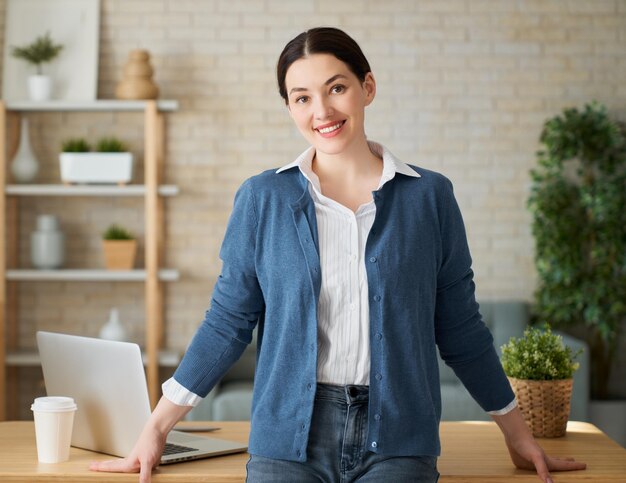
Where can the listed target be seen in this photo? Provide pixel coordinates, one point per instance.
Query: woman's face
(327, 101)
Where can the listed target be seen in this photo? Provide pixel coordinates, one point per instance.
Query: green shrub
(540, 356)
(110, 145)
(75, 145)
(116, 232)
(40, 51)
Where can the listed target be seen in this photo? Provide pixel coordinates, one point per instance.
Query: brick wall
(463, 88)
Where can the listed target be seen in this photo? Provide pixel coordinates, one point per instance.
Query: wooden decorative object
(545, 405)
(119, 254)
(137, 79)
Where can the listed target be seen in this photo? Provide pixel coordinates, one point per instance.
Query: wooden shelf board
(91, 106)
(30, 358)
(85, 190)
(88, 275)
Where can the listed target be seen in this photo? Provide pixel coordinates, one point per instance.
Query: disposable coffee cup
(54, 420)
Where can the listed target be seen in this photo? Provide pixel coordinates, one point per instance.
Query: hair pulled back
(321, 40)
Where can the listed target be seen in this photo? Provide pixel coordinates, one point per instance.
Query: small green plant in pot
(41, 51)
(540, 369)
(75, 145)
(120, 247)
(110, 163)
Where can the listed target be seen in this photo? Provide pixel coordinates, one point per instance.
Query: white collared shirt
(343, 355)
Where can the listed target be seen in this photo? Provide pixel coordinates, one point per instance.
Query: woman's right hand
(148, 449)
(145, 456)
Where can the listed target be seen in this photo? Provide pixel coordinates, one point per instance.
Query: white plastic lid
(53, 404)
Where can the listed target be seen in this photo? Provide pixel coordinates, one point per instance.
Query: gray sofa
(231, 399)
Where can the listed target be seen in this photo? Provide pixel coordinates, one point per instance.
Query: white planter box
(96, 167)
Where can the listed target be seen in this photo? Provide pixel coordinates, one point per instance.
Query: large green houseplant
(578, 202)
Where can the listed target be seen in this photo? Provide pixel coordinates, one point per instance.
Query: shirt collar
(391, 164)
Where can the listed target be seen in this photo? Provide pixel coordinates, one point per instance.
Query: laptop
(108, 383)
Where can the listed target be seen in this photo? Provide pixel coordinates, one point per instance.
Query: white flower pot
(96, 167)
(40, 87)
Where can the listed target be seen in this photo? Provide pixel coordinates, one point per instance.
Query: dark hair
(321, 40)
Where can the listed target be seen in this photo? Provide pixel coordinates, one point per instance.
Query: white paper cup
(54, 419)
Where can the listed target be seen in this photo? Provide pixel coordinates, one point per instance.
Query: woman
(355, 266)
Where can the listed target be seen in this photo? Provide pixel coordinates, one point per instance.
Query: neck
(353, 164)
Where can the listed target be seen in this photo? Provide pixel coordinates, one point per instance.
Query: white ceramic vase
(39, 87)
(47, 244)
(24, 166)
(113, 329)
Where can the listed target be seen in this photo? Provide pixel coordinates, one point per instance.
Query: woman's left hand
(524, 450)
(526, 454)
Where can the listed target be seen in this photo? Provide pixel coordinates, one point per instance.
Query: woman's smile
(331, 129)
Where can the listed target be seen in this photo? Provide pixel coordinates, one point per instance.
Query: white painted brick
(462, 48)
(242, 33)
(140, 7)
(217, 20)
(313, 20)
(410, 21)
(443, 6)
(492, 6)
(240, 6)
(517, 48)
(272, 20)
(595, 7)
(542, 6)
(191, 6)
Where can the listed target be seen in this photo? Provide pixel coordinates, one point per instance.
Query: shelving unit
(153, 276)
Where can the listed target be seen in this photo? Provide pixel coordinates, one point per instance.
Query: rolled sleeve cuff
(179, 394)
(509, 407)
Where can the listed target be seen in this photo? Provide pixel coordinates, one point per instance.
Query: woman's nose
(323, 109)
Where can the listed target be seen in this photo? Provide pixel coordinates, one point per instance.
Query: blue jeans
(336, 451)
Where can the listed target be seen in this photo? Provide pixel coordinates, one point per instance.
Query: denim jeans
(336, 451)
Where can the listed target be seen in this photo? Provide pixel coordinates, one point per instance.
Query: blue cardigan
(421, 295)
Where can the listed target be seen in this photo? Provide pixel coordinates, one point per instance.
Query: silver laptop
(107, 381)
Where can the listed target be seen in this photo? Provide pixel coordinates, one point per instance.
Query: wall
(463, 88)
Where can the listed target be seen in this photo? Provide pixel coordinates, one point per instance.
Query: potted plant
(111, 163)
(40, 51)
(120, 247)
(579, 224)
(540, 369)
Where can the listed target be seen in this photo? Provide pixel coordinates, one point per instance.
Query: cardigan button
(379, 376)
(377, 297)
(374, 444)
(377, 417)
(379, 336)
(373, 259)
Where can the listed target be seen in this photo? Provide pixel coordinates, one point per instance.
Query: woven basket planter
(545, 405)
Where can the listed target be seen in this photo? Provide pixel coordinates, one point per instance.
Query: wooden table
(472, 452)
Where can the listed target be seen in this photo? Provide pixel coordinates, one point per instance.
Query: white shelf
(85, 275)
(85, 190)
(29, 358)
(97, 105)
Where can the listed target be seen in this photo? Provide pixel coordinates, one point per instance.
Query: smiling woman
(355, 267)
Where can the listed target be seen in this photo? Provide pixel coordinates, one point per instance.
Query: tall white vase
(24, 166)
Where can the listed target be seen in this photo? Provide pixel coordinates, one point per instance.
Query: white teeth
(326, 130)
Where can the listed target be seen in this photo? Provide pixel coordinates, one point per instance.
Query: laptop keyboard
(171, 448)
